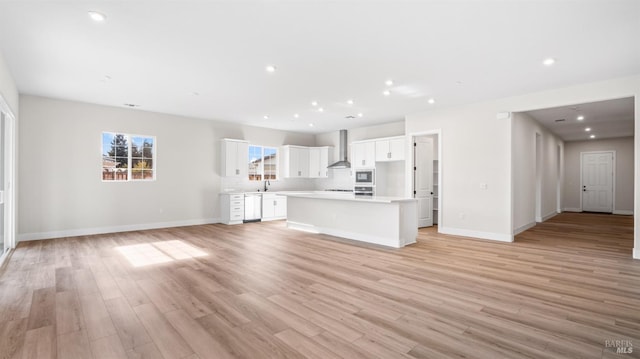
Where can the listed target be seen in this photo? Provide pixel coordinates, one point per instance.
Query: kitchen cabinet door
(234, 158)
(364, 154)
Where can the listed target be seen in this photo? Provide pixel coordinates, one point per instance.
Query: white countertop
(340, 196)
(346, 196)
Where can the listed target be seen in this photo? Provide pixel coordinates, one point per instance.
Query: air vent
(131, 105)
(560, 120)
(350, 117)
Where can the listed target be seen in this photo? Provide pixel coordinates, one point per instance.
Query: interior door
(423, 179)
(597, 182)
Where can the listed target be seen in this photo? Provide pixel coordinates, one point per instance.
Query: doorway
(426, 178)
(6, 179)
(597, 181)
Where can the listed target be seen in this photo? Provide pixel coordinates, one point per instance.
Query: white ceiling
(605, 119)
(159, 53)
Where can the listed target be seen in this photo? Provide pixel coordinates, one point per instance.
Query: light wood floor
(562, 290)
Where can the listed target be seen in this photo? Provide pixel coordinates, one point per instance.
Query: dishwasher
(252, 207)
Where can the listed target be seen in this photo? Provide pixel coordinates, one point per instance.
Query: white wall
(61, 192)
(8, 89)
(476, 149)
(524, 152)
(624, 188)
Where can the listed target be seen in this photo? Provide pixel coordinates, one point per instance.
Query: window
(263, 163)
(128, 157)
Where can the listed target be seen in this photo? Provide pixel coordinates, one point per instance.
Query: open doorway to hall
(577, 159)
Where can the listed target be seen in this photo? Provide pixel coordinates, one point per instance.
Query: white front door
(423, 179)
(597, 182)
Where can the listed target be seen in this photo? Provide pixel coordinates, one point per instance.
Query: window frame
(260, 172)
(130, 158)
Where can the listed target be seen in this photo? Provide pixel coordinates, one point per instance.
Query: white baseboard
(623, 212)
(476, 234)
(549, 216)
(113, 229)
(569, 209)
(636, 253)
(523, 228)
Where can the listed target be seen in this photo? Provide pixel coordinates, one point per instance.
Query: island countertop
(345, 197)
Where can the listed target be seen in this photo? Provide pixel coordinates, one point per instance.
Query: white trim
(549, 216)
(524, 228)
(114, 229)
(382, 241)
(502, 237)
(623, 212)
(636, 253)
(571, 209)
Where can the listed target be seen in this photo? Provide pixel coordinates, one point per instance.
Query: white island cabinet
(387, 221)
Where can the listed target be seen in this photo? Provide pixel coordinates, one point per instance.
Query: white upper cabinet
(234, 158)
(319, 161)
(295, 161)
(363, 154)
(390, 149)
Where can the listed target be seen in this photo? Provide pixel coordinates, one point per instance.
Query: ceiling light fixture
(270, 68)
(360, 114)
(311, 125)
(431, 101)
(389, 82)
(350, 102)
(386, 92)
(314, 103)
(320, 109)
(592, 136)
(588, 129)
(97, 17)
(266, 117)
(580, 118)
(549, 61)
(295, 115)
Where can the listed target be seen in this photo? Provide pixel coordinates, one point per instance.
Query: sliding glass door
(6, 179)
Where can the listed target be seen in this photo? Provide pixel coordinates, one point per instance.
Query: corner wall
(61, 192)
(523, 146)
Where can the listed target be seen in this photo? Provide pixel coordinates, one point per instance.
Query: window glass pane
(107, 138)
(136, 174)
(121, 152)
(108, 174)
(147, 146)
(269, 162)
(255, 163)
(136, 146)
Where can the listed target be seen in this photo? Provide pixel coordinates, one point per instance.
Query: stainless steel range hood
(344, 160)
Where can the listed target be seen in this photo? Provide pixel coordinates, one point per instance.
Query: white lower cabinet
(273, 207)
(232, 208)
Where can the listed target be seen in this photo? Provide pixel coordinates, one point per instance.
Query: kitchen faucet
(266, 182)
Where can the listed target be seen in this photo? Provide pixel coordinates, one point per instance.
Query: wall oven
(366, 177)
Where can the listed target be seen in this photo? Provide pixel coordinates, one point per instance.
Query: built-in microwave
(366, 177)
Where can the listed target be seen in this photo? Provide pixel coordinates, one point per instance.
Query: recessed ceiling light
(266, 117)
(592, 136)
(320, 109)
(295, 115)
(360, 114)
(386, 92)
(270, 68)
(588, 129)
(580, 118)
(549, 61)
(431, 101)
(96, 16)
(314, 103)
(194, 93)
(311, 125)
(389, 82)
(350, 102)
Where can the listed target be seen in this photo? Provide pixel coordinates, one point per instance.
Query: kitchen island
(387, 221)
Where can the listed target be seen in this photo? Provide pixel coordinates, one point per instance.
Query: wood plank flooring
(567, 288)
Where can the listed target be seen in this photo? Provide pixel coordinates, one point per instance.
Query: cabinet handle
(363, 162)
(275, 203)
(389, 155)
(237, 171)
